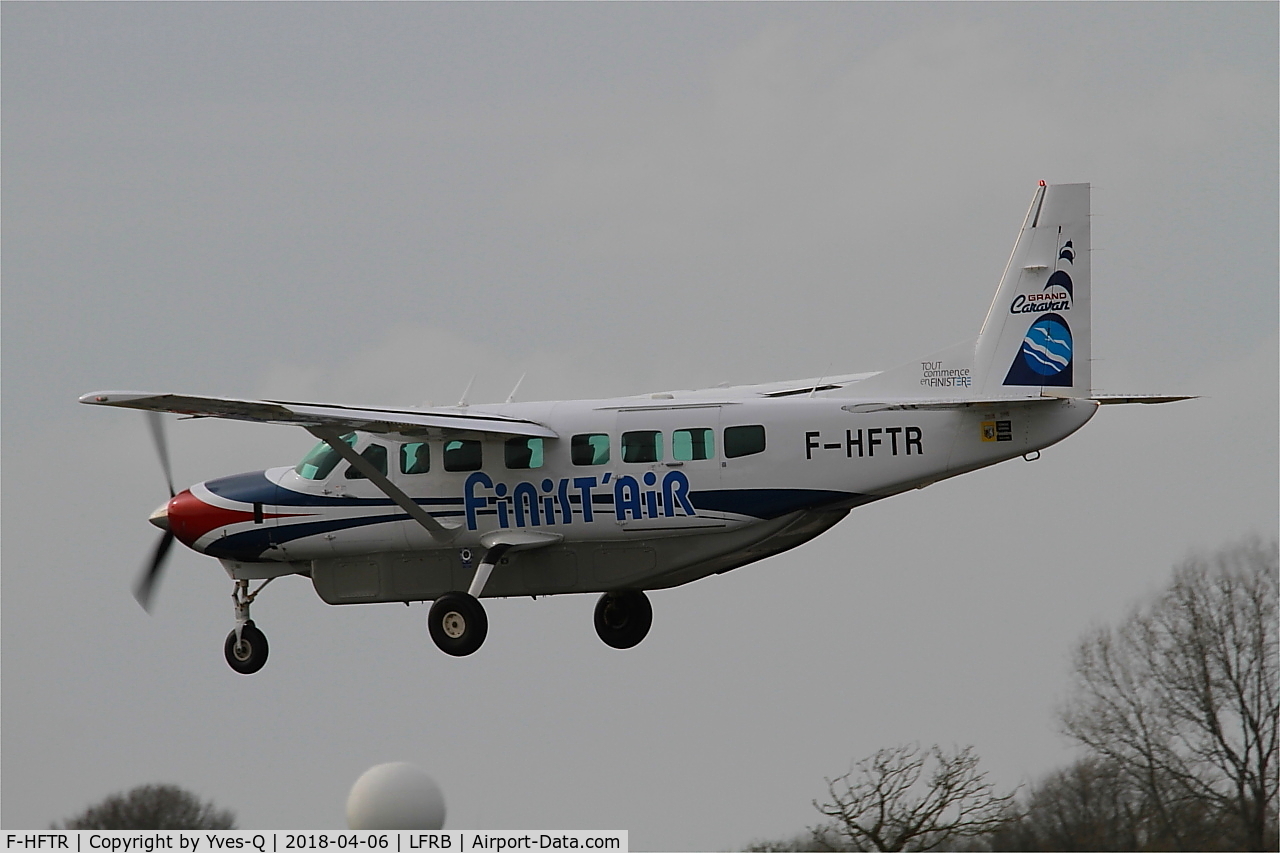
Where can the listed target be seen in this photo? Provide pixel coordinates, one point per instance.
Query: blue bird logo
(1046, 348)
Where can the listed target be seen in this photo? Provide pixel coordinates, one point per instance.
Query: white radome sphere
(397, 795)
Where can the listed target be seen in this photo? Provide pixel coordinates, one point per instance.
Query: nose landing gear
(246, 646)
(248, 653)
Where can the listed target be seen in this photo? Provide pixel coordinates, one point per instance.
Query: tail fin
(1035, 339)
(1036, 334)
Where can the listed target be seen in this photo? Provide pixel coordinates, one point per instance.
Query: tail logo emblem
(1045, 355)
(1047, 347)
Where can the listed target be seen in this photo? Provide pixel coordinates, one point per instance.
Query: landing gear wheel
(250, 654)
(623, 618)
(458, 623)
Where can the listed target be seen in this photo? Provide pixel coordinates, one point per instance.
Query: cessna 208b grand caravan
(636, 493)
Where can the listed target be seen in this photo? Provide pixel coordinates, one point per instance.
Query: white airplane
(624, 495)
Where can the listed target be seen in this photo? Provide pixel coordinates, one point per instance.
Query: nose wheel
(247, 653)
(246, 646)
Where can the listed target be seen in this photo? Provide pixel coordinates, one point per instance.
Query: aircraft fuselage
(644, 492)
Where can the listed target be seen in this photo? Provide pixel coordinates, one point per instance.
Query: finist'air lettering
(551, 503)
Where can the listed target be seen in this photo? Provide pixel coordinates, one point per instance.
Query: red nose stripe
(190, 518)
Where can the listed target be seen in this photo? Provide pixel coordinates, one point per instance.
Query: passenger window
(462, 455)
(320, 462)
(589, 449)
(642, 446)
(690, 444)
(523, 453)
(415, 458)
(376, 455)
(743, 441)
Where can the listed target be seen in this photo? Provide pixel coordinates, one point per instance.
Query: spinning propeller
(160, 518)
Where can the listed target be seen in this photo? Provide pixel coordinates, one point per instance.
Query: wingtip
(110, 398)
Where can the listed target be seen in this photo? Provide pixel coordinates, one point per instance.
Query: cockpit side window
(320, 462)
(375, 455)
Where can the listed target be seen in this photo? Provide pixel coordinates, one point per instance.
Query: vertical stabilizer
(1035, 340)
(1036, 335)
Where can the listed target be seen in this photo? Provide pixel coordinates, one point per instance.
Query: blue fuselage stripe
(250, 488)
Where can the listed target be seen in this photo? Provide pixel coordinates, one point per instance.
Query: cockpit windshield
(320, 462)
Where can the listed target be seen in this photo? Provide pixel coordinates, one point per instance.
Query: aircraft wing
(345, 418)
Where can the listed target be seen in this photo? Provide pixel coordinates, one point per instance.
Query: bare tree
(821, 838)
(152, 807)
(907, 798)
(1183, 698)
(1089, 805)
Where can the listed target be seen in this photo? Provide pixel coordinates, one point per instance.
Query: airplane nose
(203, 517)
(160, 517)
(189, 518)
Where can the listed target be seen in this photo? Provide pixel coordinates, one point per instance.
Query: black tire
(251, 654)
(458, 623)
(623, 619)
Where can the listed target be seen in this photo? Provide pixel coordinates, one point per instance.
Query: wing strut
(331, 437)
(498, 543)
(491, 558)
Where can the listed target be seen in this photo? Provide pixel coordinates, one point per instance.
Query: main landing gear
(623, 618)
(458, 623)
(246, 646)
(457, 620)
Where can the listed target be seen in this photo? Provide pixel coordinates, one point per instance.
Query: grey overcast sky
(372, 202)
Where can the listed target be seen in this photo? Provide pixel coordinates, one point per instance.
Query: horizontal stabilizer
(944, 405)
(402, 421)
(1119, 399)
(1003, 402)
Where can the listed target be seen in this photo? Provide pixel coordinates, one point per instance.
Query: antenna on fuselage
(512, 395)
(818, 384)
(462, 404)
